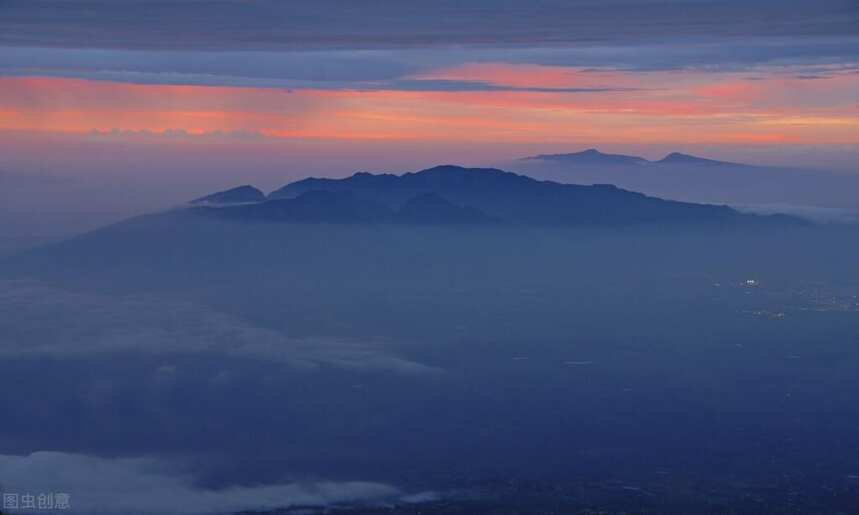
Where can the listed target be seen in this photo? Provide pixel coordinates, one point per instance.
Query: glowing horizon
(553, 104)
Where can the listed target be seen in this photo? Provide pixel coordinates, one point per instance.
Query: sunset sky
(545, 72)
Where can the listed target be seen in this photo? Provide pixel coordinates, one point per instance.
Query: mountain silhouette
(591, 156)
(677, 158)
(311, 206)
(430, 208)
(693, 178)
(517, 199)
(346, 207)
(239, 194)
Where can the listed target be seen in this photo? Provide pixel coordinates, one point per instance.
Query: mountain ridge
(456, 194)
(343, 207)
(239, 194)
(688, 159)
(590, 156)
(593, 156)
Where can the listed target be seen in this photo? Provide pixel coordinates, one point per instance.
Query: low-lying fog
(190, 356)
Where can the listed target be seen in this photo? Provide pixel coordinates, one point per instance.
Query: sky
(183, 96)
(660, 72)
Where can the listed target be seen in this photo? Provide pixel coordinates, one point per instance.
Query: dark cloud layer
(270, 24)
(395, 68)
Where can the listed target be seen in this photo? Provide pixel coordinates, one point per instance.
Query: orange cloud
(674, 107)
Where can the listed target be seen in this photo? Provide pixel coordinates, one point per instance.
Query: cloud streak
(85, 324)
(381, 69)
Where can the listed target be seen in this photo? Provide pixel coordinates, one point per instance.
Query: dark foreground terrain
(659, 496)
(474, 369)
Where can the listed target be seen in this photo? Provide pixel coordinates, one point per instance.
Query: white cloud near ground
(42, 320)
(151, 486)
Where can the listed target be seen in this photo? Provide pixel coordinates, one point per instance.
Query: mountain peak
(449, 169)
(237, 195)
(449, 193)
(688, 159)
(591, 156)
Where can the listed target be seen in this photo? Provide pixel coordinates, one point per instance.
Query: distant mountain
(676, 158)
(240, 194)
(591, 156)
(698, 179)
(512, 198)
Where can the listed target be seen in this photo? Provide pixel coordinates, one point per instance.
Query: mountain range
(451, 194)
(593, 156)
(692, 178)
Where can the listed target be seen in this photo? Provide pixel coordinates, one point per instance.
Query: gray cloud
(260, 82)
(312, 66)
(89, 323)
(391, 68)
(271, 24)
(149, 485)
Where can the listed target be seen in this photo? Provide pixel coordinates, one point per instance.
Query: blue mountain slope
(677, 158)
(239, 194)
(516, 198)
(591, 156)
